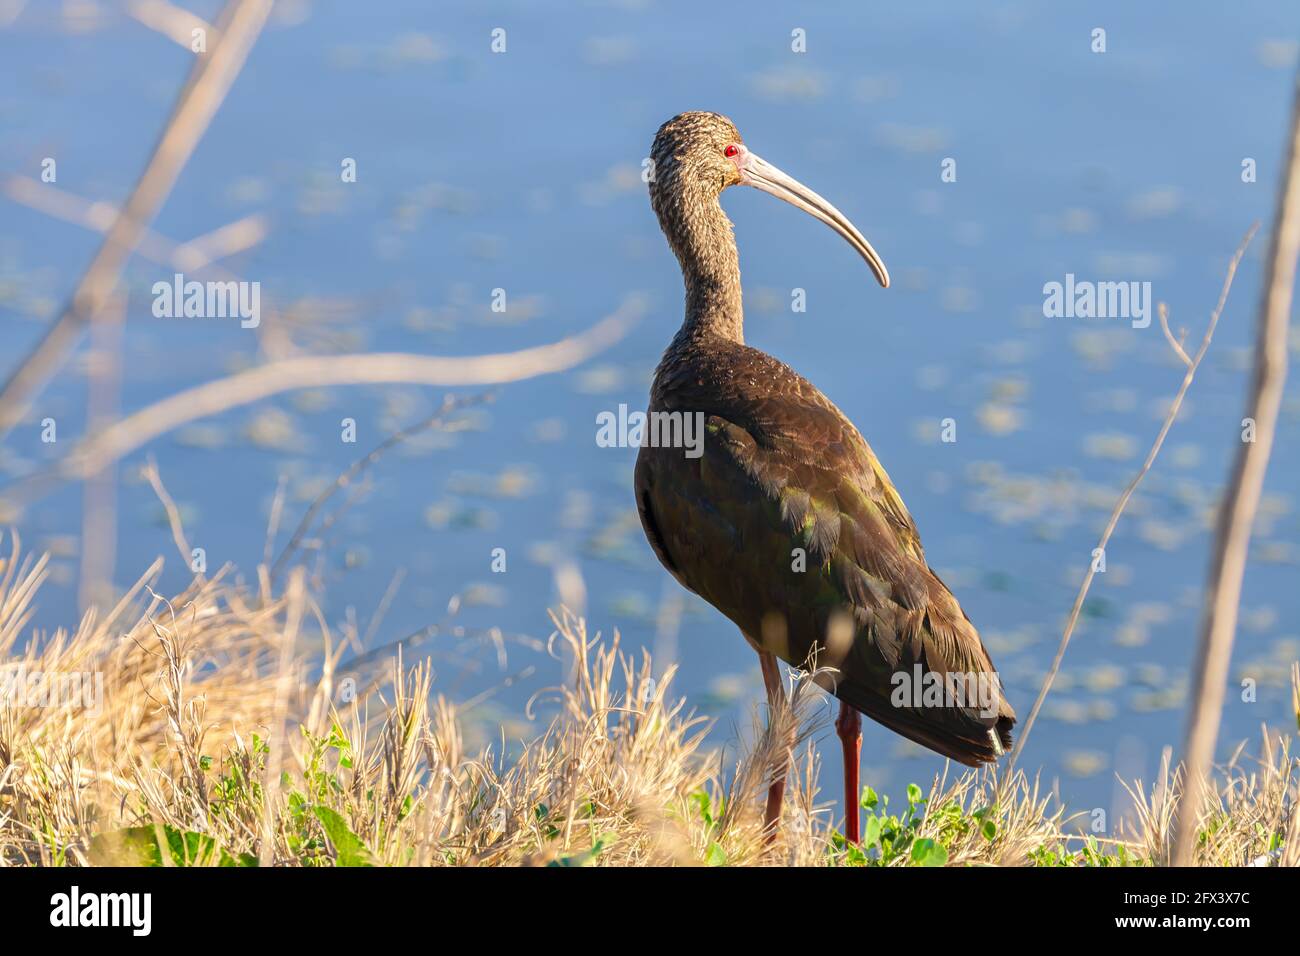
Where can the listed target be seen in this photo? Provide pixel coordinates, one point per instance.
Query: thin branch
(174, 522)
(450, 404)
(286, 375)
(273, 520)
(1192, 365)
(198, 256)
(99, 495)
(295, 603)
(1175, 344)
(1237, 513)
(209, 80)
(173, 22)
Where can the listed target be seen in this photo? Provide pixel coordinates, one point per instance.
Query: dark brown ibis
(784, 520)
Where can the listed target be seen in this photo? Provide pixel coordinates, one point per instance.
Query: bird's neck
(706, 248)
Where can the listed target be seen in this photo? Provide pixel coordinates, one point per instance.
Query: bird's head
(697, 155)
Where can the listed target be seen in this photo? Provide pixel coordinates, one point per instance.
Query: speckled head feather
(689, 173)
(689, 151)
(695, 157)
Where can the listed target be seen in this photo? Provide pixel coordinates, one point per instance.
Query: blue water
(520, 171)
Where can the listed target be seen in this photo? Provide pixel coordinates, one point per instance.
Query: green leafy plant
(913, 838)
(349, 848)
(162, 845)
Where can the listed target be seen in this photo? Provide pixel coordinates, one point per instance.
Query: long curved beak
(759, 173)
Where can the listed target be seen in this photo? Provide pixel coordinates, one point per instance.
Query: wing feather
(784, 472)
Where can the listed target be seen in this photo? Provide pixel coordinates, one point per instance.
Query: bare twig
(174, 522)
(1192, 365)
(198, 256)
(285, 375)
(450, 404)
(1237, 513)
(1291, 845)
(273, 520)
(209, 80)
(171, 21)
(286, 679)
(1174, 343)
(99, 496)
(195, 255)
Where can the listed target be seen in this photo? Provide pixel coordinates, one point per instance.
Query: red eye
(731, 150)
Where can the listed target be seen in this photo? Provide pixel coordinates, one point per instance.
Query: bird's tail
(998, 749)
(946, 731)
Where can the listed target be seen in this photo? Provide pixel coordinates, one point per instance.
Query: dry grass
(204, 698)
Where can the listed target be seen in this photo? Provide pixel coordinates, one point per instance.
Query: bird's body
(787, 520)
(784, 520)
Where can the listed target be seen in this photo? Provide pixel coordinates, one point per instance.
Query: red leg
(775, 704)
(849, 728)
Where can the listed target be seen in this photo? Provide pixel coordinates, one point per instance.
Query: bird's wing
(787, 474)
